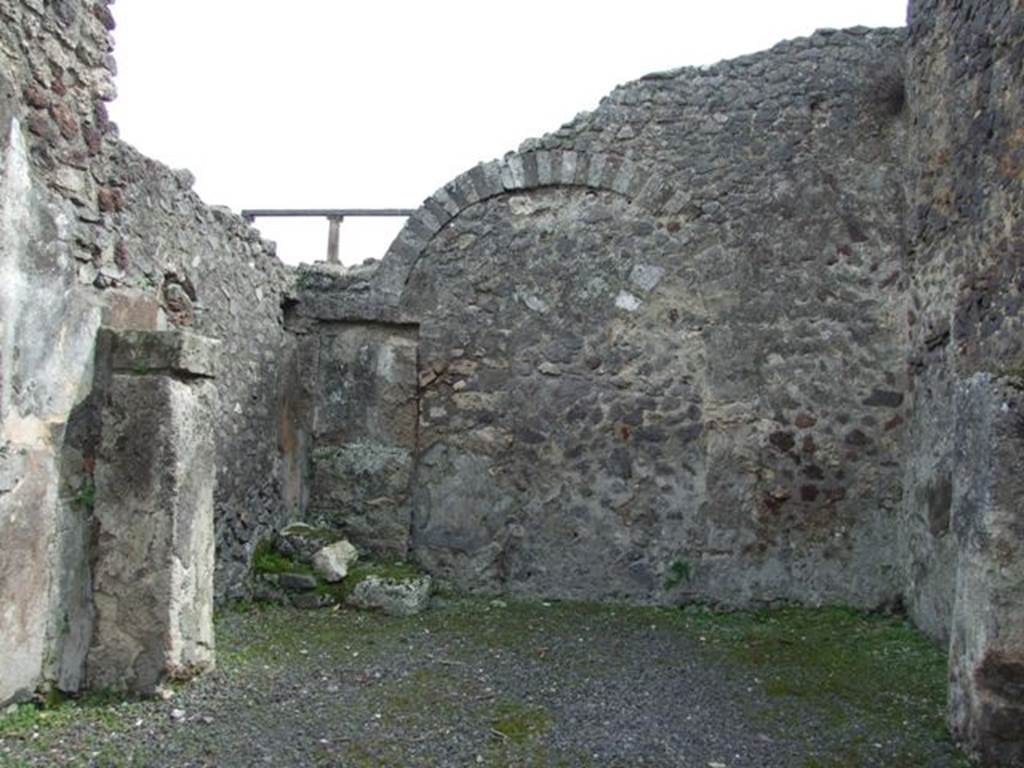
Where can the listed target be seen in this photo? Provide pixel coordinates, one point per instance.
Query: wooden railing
(334, 218)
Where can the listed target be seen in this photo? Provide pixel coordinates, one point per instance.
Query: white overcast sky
(377, 103)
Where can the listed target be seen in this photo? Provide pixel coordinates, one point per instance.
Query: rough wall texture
(731, 337)
(95, 234)
(48, 328)
(986, 653)
(966, 233)
(660, 354)
(666, 336)
(364, 435)
(153, 553)
(211, 272)
(964, 517)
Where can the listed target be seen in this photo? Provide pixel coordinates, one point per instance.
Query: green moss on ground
(361, 571)
(855, 679)
(851, 667)
(44, 724)
(518, 722)
(266, 560)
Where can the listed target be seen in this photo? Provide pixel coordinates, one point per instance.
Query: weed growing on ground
(679, 573)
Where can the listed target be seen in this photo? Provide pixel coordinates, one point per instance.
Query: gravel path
(485, 683)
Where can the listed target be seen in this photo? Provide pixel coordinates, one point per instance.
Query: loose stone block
(332, 562)
(395, 597)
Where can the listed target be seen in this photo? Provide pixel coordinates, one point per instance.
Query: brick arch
(523, 171)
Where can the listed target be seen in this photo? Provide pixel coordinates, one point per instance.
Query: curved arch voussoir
(523, 171)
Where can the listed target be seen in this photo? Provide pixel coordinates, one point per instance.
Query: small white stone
(535, 303)
(627, 301)
(331, 563)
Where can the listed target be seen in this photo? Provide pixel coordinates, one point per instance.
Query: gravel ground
(477, 682)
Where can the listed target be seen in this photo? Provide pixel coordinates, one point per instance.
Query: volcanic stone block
(361, 489)
(365, 431)
(394, 597)
(168, 352)
(155, 477)
(367, 386)
(987, 644)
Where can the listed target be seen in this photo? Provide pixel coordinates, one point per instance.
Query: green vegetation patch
(266, 560)
(360, 571)
(679, 574)
(518, 722)
(1014, 374)
(867, 688)
(86, 497)
(42, 724)
(869, 674)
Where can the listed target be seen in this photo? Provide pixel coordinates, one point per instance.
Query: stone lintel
(343, 309)
(173, 352)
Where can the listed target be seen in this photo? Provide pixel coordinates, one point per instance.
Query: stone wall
(54, 76)
(665, 337)
(745, 333)
(742, 334)
(965, 230)
(209, 271)
(95, 234)
(964, 523)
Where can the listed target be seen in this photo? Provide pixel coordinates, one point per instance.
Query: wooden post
(334, 224)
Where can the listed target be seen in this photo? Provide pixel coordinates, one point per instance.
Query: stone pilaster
(155, 476)
(987, 645)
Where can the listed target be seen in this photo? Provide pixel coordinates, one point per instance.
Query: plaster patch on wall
(48, 329)
(15, 194)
